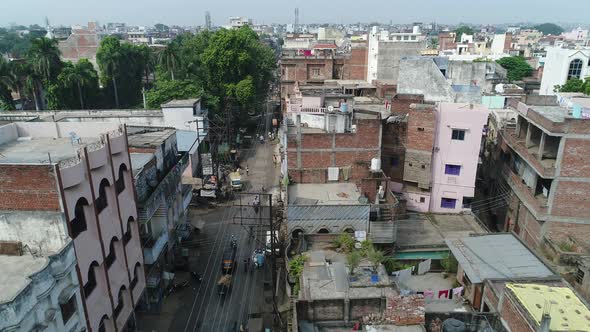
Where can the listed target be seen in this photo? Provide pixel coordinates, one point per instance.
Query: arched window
(120, 183)
(120, 301)
(136, 272)
(575, 69)
(112, 252)
(79, 222)
(101, 200)
(323, 231)
(127, 235)
(101, 326)
(91, 283)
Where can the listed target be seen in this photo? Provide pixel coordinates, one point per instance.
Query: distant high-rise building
(208, 20)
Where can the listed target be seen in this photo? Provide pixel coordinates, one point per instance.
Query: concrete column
(541, 145)
(527, 142)
(518, 121)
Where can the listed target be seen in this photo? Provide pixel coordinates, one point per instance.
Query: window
(423, 166)
(420, 129)
(120, 302)
(91, 283)
(413, 38)
(575, 69)
(135, 275)
(110, 259)
(315, 72)
(422, 199)
(579, 276)
(458, 135)
(68, 309)
(79, 221)
(452, 169)
(101, 200)
(127, 235)
(120, 183)
(448, 203)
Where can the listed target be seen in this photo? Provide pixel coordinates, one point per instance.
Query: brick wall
(28, 187)
(393, 150)
(491, 298)
(575, 154)
(512, 316)
(328, 310)
(571, 199)
(401, 103)
(529, 227)
(11, 248)
(421, 129)
(355, 67)
(363, 307)
(417, 168)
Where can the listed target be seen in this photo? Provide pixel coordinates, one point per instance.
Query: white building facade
(563, 64)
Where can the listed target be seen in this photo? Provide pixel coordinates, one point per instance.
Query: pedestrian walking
(247, 170)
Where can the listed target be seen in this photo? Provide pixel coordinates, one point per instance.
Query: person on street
(247, 170)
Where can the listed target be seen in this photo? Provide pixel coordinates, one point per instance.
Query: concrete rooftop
(26, 150)
(181, 103)
(138, 161)
(145, 137)
(15, 272)
(552, 113)
(324, 194)
(430, 231)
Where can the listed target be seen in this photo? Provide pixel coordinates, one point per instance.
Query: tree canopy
(516, 66)
(575, 85)
(549, 29)
(462, 30)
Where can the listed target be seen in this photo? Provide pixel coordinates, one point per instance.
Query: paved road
(249, 298)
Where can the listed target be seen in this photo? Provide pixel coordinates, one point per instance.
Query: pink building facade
(459, 130)
(88, 178)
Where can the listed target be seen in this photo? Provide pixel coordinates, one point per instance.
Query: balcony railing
(152, 248)
(165, 190)
(311, 110)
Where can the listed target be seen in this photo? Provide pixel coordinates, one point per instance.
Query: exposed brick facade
(28, 187)
(316, 69)
(513, 317)
(318, 151)
(575, 158)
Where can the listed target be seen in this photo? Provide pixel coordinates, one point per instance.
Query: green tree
(7, 82)
(353, 259)
(81, 76)
(462, 30)
(161, 27)
(110, 60)
(376, 257)
(575, 85)
(516, 66)
(44, 58)
(169, 59)
(549, 29)
(167, 90)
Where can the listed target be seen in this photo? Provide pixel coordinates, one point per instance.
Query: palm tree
(109, 57)
(148, 60)
(26, 82)
(79, 75)
(7, 82)
(169, 59)
(44, 56)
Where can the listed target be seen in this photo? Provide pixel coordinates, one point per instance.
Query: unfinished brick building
(544, 161)
(321, 63)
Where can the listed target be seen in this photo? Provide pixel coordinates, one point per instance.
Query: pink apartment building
(84, 172)
(459, 129)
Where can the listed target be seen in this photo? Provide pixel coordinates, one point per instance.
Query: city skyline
(267, 11)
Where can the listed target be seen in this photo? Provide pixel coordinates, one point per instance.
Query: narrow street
(249, 300)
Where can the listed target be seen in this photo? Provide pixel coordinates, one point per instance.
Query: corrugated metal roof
(328, 212)
(496, 256)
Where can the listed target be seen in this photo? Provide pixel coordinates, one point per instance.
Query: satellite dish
(330, 108)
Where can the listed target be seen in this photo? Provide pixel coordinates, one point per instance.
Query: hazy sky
(192, 12)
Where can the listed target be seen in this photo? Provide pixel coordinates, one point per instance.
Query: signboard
(207, 163)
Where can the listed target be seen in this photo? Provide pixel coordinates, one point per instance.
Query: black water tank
(454, 325)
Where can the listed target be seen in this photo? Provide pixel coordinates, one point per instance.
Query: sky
(192, 12)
